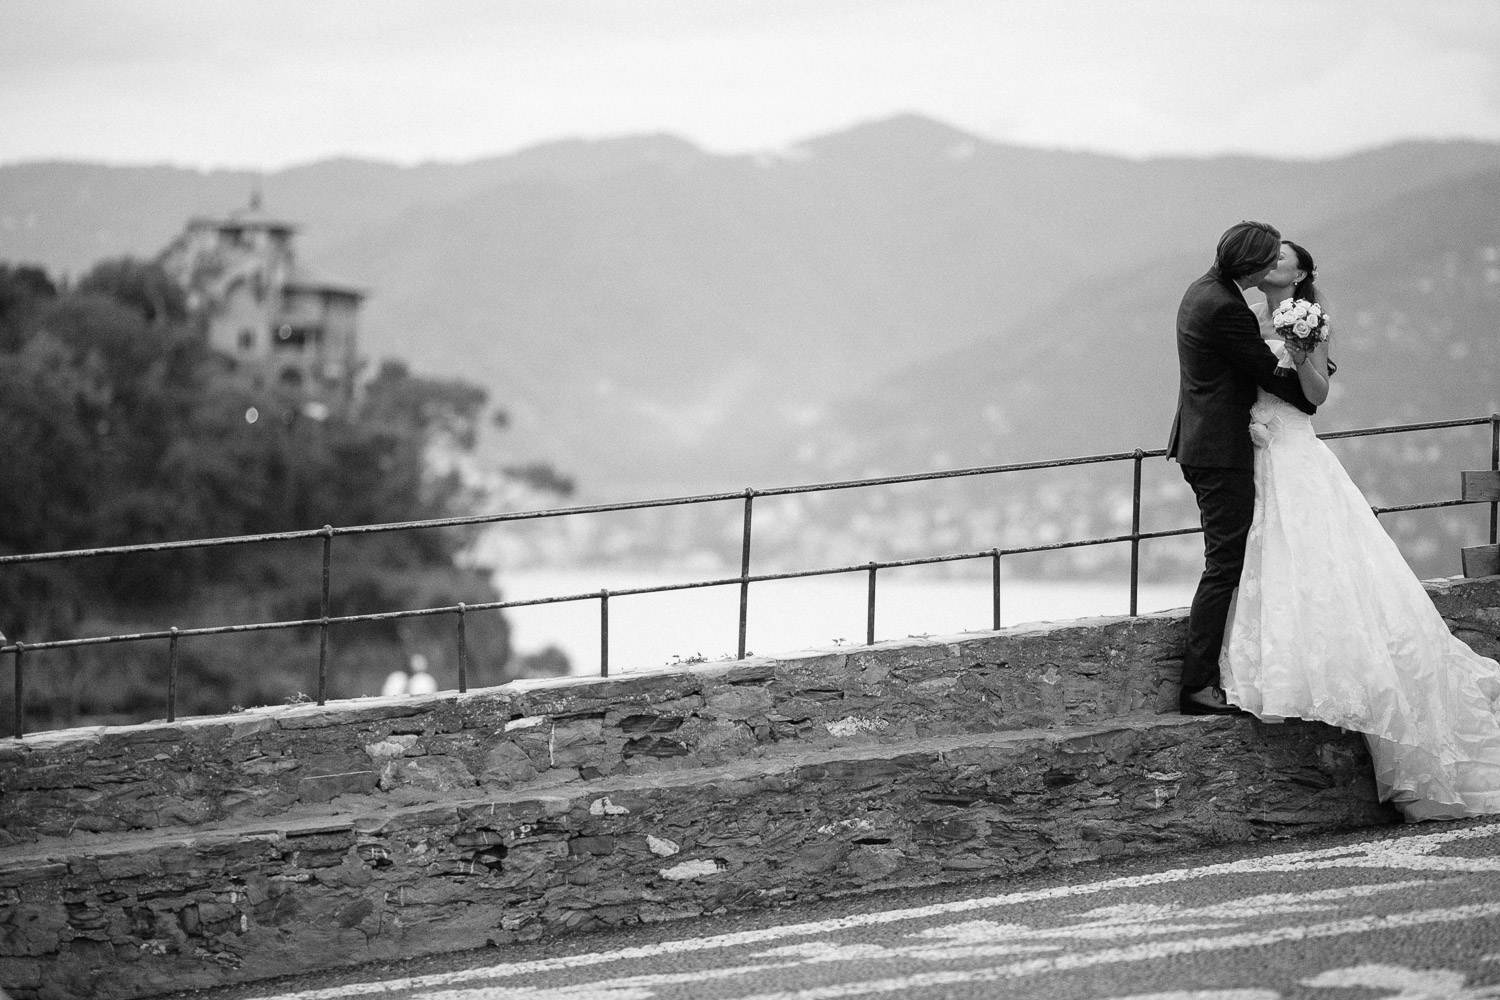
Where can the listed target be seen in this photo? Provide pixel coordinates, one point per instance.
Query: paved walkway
(1413, 912)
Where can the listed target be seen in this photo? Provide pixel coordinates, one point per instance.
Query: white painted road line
(640, 987)
(623, 988)
(1108, 956)
(1408, 853)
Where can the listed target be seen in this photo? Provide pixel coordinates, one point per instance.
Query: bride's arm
(1312, 372)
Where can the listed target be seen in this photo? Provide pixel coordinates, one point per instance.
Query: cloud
(278, 81)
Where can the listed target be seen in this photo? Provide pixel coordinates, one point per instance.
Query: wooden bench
(1481, 560)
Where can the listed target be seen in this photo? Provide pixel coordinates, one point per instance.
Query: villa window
(296, 338)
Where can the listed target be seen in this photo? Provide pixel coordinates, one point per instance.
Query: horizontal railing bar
(1426, 505)
(103, 640)
(506, 605)
(475, 519)
(638, 591)
(193, 543)
(917, 477)
(362, 529)
(659, 589)
(1431, 425)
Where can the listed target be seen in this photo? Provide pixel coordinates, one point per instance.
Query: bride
(1331, 624)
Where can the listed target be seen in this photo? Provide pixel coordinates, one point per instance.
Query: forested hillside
(119, 426)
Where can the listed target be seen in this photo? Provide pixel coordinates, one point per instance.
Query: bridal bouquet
(1301, 324)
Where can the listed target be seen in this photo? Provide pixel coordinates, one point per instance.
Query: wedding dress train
(1331, 624)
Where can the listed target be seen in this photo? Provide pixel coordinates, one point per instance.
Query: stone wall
(363, 753)
(142, 859)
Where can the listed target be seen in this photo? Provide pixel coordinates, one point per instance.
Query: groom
(1222, 358)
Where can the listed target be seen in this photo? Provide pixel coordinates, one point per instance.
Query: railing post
(1494, 466)
(463, 652)
(604, 633)
(870, 621)
(745, 570)
(323, 628)
(172, 677)
(1135, 534)
(996, 592)
(20, 692)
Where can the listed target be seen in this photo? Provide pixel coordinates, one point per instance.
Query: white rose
(1300, 328)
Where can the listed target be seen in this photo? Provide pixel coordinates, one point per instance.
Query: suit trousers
(1226, 504)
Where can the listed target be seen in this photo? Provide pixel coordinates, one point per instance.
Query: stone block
(873, 864)
(579, 743)
(591, 845)
(21, 973)
(125, 866)
(267, 766)
(638, 724)
(752, 670)
(31, 929)
(323, 787)
(25, 870)
(338, 714)
(432, 773)
(736, 702)
(390, 747)
(506, 764)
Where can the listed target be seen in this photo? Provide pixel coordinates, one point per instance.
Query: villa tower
(283, 327)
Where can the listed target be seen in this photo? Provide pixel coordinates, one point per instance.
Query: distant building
(282, 326)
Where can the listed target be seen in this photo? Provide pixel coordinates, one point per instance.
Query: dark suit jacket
(1222, 358)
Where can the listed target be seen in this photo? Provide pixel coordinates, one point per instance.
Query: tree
(142, 287)
(397, 400)
(119, 425)
(23, 291)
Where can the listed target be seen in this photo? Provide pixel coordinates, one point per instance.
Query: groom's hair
(1247, 247)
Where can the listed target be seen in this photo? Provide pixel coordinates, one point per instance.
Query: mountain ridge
(661, 319)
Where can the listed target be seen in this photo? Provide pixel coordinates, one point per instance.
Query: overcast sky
(268, 83)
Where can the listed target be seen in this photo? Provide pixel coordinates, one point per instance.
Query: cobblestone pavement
(1411, 912)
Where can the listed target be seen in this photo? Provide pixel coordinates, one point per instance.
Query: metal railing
(460, 611)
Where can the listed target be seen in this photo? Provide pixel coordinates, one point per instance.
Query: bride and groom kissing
(1306, 609)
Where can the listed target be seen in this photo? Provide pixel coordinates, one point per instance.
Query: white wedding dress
(1330, 623)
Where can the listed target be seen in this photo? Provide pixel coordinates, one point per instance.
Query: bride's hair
(1306, 289)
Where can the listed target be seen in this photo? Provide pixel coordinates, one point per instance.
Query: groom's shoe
(1205, 701)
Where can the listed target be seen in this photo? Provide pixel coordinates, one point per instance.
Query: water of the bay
(653, 630)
